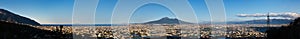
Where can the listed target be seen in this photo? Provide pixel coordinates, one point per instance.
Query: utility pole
(268, 20)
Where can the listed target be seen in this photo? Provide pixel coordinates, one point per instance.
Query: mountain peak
(166, 18)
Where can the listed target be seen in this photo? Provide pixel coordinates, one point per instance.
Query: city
(157, 31)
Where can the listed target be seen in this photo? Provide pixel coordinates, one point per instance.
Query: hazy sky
(60, 11)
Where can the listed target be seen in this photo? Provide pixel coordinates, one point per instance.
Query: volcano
(167, 20)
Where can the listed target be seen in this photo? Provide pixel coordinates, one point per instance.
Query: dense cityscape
(159, 31)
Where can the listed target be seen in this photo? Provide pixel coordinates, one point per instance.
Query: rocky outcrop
(8, 16)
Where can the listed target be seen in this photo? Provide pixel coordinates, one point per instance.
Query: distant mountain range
(8, 16)
(167, 20)
(263, 21)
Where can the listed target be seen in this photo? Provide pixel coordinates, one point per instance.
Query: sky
(60, 11)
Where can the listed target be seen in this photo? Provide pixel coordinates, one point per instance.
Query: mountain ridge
(263, 21)
(8, 16)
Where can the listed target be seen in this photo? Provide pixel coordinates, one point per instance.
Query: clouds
(283, 15)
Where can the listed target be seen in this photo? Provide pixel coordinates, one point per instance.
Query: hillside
(8, 16)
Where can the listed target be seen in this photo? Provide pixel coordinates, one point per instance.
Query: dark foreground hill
(285, 32)
(17, 31)
(13, 26)
(8, 16)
